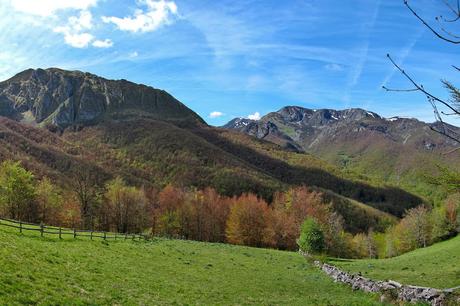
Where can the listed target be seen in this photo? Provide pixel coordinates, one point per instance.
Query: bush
(311, 239)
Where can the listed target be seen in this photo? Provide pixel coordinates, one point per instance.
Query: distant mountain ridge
(393, 150)
(65, 98)
(306, 128)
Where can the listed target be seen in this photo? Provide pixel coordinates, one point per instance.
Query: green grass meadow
(436, 266)
(49, 271)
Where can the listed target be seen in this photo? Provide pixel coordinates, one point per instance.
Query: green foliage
(50, 201)
(311, 238)
(17, 192)
(47, 271)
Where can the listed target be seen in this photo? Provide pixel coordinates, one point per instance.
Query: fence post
(20, 227)
(105, 236)
(91, 235)
(126, 236)
(74, 233)
(41, 229)
(60, 233)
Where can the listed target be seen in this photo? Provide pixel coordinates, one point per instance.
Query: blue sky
(235, 58)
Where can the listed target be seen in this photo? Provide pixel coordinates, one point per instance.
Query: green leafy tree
(49, 201)
(311, 240)
(17, 192)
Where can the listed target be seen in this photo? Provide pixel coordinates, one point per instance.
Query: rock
(389, 288)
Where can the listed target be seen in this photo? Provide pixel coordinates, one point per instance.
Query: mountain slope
(399, 151)
(65, 98)
(155, 141)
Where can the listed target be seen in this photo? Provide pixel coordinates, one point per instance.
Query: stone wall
(413, 294)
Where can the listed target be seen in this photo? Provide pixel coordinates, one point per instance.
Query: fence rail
(61, 231)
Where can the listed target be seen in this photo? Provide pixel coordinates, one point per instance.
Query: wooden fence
(61, 231)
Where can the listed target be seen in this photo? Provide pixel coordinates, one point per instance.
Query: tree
(247, 222)
(452, 212)
(311, 240)
(415, 229)
(442, 32)
(86, 191)
(125, 207)
(170, 200)
(49, 201)
(17, 192)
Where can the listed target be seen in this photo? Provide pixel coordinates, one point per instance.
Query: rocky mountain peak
(323, 116)
(64, 98)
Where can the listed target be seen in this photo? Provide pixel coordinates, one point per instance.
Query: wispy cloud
(401, 58)
(47, 8)
(334, 67)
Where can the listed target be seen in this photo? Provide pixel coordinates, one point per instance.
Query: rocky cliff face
(66, 98)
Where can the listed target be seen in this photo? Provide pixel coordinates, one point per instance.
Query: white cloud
(133, 54)
(46, 8)
(216, 114)
(255, 116)
(75, 33)
(78, 40)
(107, 43)
(158, 13)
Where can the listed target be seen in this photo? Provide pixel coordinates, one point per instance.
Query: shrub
(311, 240)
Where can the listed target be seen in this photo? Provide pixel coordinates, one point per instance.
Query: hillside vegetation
(154, 153)
(48, 271)
(435, 266)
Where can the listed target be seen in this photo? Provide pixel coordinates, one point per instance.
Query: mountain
(58, 123)
(401, 151)
(60, 98)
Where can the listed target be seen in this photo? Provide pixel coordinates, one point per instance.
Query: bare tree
(85, 188)
(441, 31)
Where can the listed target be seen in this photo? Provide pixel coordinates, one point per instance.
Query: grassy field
(47, 271)
(435, 266)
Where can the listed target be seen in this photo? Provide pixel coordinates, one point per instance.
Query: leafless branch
(420, 87)
(445, 135)
(399, 90)
(435, 32)
(454, 10)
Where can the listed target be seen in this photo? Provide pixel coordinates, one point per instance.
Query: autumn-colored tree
(247, 222)
(70, 214)
(204, 216)
(452, 212)
(282, 229)
(170, 200)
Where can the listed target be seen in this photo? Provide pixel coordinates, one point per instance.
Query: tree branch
(406, 2)
(420, 88)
